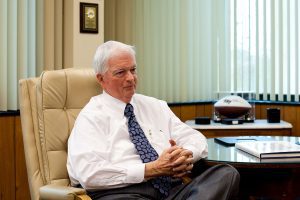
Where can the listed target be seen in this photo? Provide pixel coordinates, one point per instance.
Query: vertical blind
(190, 50)
(31, 40)
(175, 42)
(20, 53)
(265, 45)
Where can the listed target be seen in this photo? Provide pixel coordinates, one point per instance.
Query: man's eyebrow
(125, 68)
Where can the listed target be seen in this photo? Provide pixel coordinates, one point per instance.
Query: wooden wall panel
(289, 114)
(208, 110)
(297, 131)
(176, 110)
(200, 111)
(22, 187)
(257, 111)
(188, 112)
(7, 152)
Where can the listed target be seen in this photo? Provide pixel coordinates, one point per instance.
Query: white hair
(105, 51)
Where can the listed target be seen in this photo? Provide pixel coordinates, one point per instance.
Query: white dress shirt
(100, 152)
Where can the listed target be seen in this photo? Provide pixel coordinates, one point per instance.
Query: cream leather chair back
(49, 106)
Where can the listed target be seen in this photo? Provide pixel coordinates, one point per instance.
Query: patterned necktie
(145, 150)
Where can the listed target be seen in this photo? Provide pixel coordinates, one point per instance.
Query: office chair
(49, 106)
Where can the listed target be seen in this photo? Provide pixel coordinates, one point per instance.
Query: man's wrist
(151, 170)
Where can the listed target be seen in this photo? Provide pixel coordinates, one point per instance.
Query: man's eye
(133, 71)
(119, 73)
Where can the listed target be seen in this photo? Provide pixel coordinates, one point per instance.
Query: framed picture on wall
(88, 17)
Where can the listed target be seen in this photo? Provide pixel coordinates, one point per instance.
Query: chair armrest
(58, 192)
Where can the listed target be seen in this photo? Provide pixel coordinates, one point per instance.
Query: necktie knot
(128, 110)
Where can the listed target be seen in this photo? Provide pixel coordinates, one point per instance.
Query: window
(190, 50)
(265, 48)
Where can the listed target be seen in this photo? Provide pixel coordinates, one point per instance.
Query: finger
(183, 160)
(189, 167)
(172, 148)
(175, 158)
(179, 175)
(176, 152)
(172, 142)
(180, 168)
(187, 153)
(170, 154)
(190, 160)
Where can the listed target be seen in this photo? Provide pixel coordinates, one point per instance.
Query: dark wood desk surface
(276, 180)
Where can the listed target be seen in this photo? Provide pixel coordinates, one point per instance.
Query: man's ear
(99, 78)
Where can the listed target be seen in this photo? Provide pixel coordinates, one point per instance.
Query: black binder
(230, 141)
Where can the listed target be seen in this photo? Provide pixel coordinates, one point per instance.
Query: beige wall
(79, 48)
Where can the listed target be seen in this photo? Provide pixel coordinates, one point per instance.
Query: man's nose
(129, 76)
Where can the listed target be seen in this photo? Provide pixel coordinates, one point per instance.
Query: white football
(232, 106)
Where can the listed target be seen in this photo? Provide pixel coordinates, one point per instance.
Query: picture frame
(88, 17)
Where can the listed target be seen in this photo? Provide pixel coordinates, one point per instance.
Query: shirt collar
(116, 104)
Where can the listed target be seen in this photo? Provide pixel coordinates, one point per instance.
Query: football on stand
(232, 106)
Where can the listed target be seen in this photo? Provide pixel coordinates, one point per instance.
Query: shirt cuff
(197, 152)
(135, 173)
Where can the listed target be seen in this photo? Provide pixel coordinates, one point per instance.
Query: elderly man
(130, 146)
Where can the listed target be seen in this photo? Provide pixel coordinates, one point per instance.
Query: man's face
(120, 79)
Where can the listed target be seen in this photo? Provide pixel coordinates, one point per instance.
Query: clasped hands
(174, 161)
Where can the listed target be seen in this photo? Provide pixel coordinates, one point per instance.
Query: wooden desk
(259, 180)
(259, 127)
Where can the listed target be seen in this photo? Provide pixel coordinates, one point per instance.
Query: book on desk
(270, 149)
